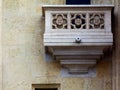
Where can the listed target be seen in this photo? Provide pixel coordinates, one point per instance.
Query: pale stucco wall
(102, 1)
(23, 52)
(1, 45)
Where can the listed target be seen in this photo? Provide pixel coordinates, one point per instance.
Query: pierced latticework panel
(78, 21)
(59, 21)
(96, 21)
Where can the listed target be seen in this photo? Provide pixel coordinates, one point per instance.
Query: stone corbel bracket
(77, 36)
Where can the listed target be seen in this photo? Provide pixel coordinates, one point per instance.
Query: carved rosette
(59, 21)
(78, 21)
(96, 21)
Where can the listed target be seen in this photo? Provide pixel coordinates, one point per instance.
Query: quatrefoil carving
(59, 21)
(78, 21)
(96, 21)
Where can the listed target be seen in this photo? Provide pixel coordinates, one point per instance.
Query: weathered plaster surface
(1, 45)
(23, 52)
(102, 1)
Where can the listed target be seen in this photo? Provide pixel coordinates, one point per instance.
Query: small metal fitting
(77, 40)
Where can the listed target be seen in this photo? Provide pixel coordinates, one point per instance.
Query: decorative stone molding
(77, 36)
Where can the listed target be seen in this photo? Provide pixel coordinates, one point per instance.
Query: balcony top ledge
(48, 7)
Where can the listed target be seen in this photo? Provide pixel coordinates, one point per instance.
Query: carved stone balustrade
(77, 36)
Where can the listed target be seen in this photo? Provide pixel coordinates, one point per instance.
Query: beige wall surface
(1, 45)
(102, 1)
(23, 52)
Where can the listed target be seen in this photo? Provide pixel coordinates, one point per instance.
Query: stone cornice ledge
(47, 7)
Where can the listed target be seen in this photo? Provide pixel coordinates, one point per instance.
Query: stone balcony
(77, 36)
